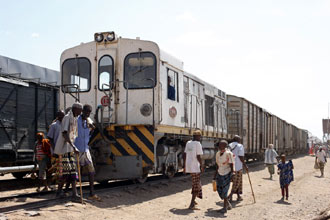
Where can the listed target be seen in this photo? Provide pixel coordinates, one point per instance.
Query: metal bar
(17, 169)
(8, 136)
(35, 112)
(7, 99)
(16, 117)
(126, 120)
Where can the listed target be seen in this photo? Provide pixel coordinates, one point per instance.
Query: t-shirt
(69, 124)
(223, 162)
(82, 140)
(54, 131)
(193, 148)
(237, 150)
(39, 152)
(321, 156)
(270, 156)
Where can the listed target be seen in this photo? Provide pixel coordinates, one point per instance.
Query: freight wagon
(259, 128)
(27, 106)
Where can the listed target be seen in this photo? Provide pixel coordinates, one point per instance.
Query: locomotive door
(195, 107)
(186, 100)
(104, 79)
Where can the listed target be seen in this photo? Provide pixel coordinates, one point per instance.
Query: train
(28, 104)
(146, 107)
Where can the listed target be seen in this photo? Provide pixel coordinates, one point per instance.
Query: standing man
(238, 152)
(271, 159)
(55, 129)
(65, 149)
(224, 169)
(81, 142)
(321, 159)
(193, 165)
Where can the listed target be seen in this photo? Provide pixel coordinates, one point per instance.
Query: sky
(275, 53)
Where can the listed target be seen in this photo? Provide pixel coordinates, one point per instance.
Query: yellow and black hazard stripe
(139, 140)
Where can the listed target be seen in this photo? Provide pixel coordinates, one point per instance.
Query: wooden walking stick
(79, 176)
(254, 199)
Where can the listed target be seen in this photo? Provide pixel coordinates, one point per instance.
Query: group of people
(229, 168)
(67, 143)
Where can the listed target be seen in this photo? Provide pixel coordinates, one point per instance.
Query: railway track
(99, 188)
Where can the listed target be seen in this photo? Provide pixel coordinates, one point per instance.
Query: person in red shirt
(42, 157)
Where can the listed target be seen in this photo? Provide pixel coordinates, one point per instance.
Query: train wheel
(170, 172)
(142, 179)
(19, 175)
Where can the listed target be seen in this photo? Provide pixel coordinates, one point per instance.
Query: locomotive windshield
(76, 72)
(140, 70)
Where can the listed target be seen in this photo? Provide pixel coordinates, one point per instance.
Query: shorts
(43, 167)
(86, 162)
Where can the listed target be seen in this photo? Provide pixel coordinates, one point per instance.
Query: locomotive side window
(77, 72)
(140, 70)
(105, 70)
(172, 85)
(209, 110)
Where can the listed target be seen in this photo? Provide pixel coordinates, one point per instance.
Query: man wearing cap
(193, 165)
(238, 152)
(271, 159)
(65, 149)
(224, 169)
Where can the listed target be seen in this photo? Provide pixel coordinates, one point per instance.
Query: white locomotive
(146, 106)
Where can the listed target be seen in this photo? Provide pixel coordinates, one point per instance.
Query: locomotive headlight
(146, 109)
(98, 37)
(110, 36)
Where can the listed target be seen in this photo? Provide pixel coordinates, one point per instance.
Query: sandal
(95, 197)
(223, 210)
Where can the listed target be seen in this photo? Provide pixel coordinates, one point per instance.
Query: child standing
(286, 175)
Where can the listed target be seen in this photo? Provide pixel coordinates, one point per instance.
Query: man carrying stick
(238, 151)
(66, 151)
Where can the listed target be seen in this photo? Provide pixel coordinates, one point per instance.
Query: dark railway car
(28, 103)
(25, 109)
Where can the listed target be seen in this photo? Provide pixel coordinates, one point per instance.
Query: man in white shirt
(193, 165)
(271, 159)
(66, 150)
(321, 159)
(224, 169)
(238, 152)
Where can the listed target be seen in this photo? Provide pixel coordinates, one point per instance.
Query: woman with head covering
(321, 159)
(271, 159)
(224, 169)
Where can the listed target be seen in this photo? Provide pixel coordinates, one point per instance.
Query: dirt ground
(309, 195)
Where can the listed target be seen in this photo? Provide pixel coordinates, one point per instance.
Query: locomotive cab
(119, 78)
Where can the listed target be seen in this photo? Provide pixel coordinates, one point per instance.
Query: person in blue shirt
(85, 125)
(170, 89)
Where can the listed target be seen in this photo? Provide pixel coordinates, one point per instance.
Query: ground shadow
(215, 213)
(185, 211)
(318, 176)
(283, 202)
(268, 179)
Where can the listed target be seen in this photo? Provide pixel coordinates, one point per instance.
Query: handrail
(153, 100)
(65, 87)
